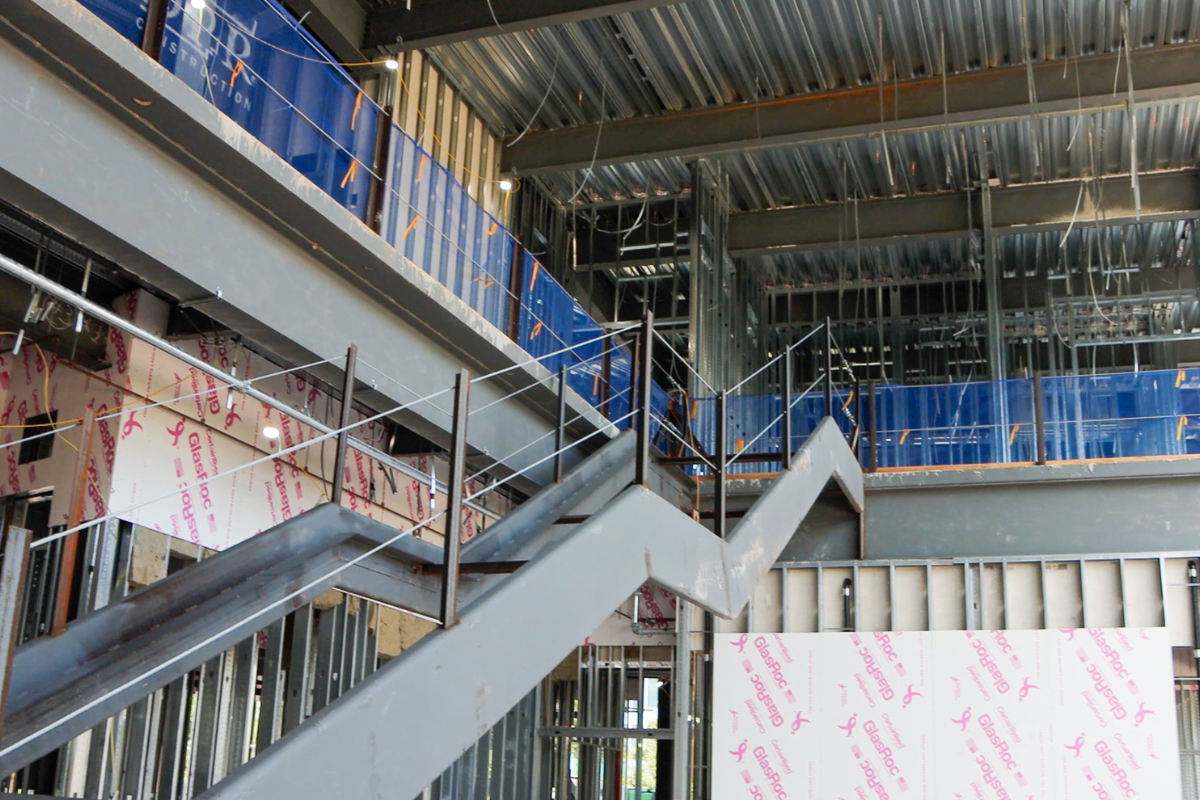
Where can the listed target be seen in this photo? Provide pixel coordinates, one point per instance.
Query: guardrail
(1023, 421)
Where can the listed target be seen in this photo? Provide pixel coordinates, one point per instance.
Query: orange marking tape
(237, 70)
(350, 173)
(492, 230)
(904, 435)
(411, 225)
(1179, 428)
(1012, 435)
(357, 106)
(421, 166)
(533, 277)
(536, 330)
(1179, 378)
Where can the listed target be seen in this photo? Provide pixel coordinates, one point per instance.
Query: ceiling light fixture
(271, 433)
(391, 64)
(506, 185)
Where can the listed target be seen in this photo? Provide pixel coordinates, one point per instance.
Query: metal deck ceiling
(709, 53)
(1048, 148)
(1111, 253)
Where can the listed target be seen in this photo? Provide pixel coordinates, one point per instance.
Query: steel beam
(1027, 208)
(468, 677)
(982, 97)
(402, 27)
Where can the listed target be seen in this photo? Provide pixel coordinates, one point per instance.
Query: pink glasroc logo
(849, 726)
(1077, 747)
(129, 426)
(962, 721)
(176, 432)
(740, 752)
(740, 642)
(1026, 688)
(909, 695)
(800, 720)
(1141, 715)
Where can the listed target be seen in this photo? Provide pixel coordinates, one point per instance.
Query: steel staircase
(395, 732)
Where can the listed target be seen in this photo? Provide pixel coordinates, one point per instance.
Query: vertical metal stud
(206, 724)
(245, 676)
(681, 694)
(272, 688)
(343, 439)
(296, 702)
(13, 577)
(458, 463)
(327, 625)
(171, 750)
(66, 576)
(1039, 417)
(136, 748)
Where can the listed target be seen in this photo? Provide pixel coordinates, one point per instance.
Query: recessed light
(271, 433)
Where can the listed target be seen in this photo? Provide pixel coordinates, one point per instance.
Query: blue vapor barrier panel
(547, 315)
(250, 60)
(964, 423)
(1147, 414)
(256, 64)
(587, 372)
(125, 17)
(1123, 415)
(432, 221)
(1129, 415)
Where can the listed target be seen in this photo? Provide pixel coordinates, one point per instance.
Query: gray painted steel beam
(431, 24)
(1027, 208)
(467, 678)
(210, 207)
(339, 26)
(1161, 75)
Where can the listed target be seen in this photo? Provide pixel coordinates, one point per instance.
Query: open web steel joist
(397, 732)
